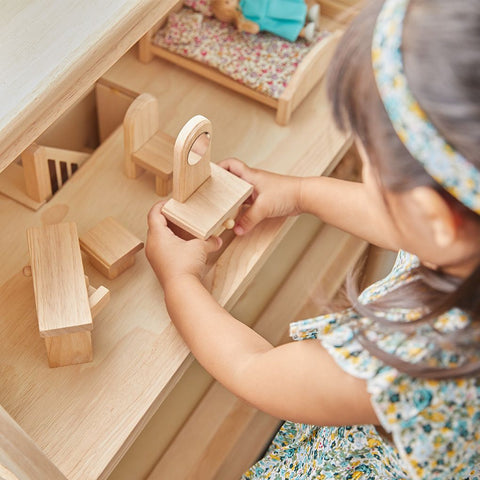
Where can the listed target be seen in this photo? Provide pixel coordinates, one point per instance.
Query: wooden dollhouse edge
(20, 457)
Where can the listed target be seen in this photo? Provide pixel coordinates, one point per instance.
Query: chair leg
(163, 186)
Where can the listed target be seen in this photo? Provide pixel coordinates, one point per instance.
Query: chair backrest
(191, 157)
(141, 122)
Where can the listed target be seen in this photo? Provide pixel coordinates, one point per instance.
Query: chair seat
(156, 155)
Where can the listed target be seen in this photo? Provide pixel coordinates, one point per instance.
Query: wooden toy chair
(146, 147)
(206, 197)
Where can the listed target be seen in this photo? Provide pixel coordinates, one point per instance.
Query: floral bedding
(263, 62)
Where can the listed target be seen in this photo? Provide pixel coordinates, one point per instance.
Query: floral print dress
(434, 424)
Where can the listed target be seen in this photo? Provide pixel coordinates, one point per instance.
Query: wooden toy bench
(283, 74)
(64, 300)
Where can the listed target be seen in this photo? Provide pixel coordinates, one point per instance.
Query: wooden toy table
(85, 417)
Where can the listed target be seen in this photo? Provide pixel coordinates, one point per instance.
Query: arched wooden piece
(187, 178)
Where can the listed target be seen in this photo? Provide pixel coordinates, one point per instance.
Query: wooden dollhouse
(142, 403)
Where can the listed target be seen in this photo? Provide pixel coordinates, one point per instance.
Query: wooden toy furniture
(110, 247)
(206, 198)
(43, 172)
(143, 401)
(64, 309)
(146, 147)
(271, 70)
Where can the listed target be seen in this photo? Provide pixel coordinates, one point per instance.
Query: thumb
(155, 219)
(248, 219)
(212, 244)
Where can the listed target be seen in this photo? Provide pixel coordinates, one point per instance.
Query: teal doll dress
(284, 18)
(431, 428)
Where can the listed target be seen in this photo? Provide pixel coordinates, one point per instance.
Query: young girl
(390, 387)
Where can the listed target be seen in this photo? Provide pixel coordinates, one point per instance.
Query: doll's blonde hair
(223, 12)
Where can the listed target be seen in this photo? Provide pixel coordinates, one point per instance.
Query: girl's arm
(343, 204)
(298, 381)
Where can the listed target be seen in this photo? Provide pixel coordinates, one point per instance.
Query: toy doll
(285, 18)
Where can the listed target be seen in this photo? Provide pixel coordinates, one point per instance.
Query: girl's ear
(438, 213)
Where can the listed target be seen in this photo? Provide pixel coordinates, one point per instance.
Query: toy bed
(267, 68)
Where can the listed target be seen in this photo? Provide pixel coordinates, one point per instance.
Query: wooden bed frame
(308, 73)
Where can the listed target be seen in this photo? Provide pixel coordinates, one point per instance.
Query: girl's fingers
(212, 244)
(238, 168)
(247, 220)
(155, 219)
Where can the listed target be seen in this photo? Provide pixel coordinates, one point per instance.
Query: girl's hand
(274, 195)
(170, 256)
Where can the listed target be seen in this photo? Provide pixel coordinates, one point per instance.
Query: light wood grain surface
(52, 52)
(59, 282)
(85, 417)
(20, 458)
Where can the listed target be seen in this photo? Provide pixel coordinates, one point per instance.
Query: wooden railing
(46, 169)
(42, 172)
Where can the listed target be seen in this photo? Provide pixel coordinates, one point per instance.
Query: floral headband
(450, 169)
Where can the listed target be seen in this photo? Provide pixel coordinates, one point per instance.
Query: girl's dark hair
(442, 63)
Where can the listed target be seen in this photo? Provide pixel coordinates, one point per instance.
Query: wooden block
(58, 279)
(110, 247)
(69, 349)
(206, 197)
(213, 204)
